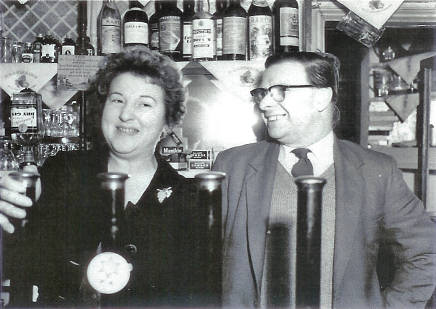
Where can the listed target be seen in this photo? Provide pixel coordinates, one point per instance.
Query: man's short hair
(322, 68)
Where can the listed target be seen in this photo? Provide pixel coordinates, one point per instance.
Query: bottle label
(261, 3)
(110, 35)
(169, 33)
(289, 26)
(27, 57)
(136, 32)
(23, 119)
(219, 37)
(260, 36)
(187, 39)
(48, 50)
(68, 50)
(234, 40)
(90, 51)
(203, 35)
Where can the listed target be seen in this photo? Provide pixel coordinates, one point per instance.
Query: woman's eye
(117, 101)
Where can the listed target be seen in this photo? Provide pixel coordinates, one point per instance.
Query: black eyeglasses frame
(265, 91)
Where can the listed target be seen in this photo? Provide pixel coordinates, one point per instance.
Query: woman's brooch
(162, 194)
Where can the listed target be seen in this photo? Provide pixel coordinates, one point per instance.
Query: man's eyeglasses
(277, 92)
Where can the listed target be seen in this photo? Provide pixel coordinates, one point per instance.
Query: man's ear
(323, 98)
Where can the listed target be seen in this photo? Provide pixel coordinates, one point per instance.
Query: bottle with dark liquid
(286, 26)
(234, 32)
(135, 25)
(50, 49)
(68, 46)
(37, 46)
(218, 17)
(108, 29)
(259, 30)
(170, 30)
(83, 45)
(203, 33)
(187, 16)
(154, 26)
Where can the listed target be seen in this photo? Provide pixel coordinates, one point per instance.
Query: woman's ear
(323, 98)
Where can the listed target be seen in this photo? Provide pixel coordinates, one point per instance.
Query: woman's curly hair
(142, 61)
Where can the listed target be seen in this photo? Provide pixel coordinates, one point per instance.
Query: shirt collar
(320, 155)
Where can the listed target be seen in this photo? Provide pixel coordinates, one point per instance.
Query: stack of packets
(175, 157)
(200, 160)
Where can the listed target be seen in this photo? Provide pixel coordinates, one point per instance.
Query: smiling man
(366, 202)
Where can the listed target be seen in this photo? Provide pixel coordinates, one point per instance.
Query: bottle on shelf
(108, 29)
(259, 30)
(203, 33)
(154, 26)
(170, 30)
(135, 25)
(220, 6)
(37, 48)
(68, 46)
(234, 32)
(187, 16)
(50, 49)
(27, 55)
(84, 47)
(286, 26)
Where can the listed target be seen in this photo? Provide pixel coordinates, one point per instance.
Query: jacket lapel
(259, 186)
(349, 201)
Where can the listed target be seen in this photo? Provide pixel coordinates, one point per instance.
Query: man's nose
(127, 112)
(267, 102)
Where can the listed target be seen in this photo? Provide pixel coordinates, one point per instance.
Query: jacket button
(130, 248)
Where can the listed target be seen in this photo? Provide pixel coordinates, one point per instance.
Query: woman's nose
(127, 112)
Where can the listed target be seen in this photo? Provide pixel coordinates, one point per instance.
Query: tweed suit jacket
(373, 206)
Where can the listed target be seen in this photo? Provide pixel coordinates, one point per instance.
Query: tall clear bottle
(218, 17)
(286, 26)
(203, 33)
(170, 30)
(188, 15)
(235, 32)
(135, 25)
(259, 30)
(154, 25)
(109, 29)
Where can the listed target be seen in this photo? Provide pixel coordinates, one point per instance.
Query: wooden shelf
(407, 157)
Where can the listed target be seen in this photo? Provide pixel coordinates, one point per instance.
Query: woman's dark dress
(67, 225)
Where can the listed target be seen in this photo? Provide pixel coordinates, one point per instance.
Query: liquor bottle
(187, 16)
(218, 17)
(108, 29)
(170, 30)
(135, 25)
(286, 26)
(50, 49)
(68, 46)
(259, 30)
(234, 32)
(154, 26)
(27, 55)
(203, 33)
(84, 47)
(37, 48)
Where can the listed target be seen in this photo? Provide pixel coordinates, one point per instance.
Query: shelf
(406, 157)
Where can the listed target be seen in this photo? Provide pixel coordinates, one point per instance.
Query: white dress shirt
(320, 155)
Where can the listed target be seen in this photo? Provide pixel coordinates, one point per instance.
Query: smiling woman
(138, 96)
